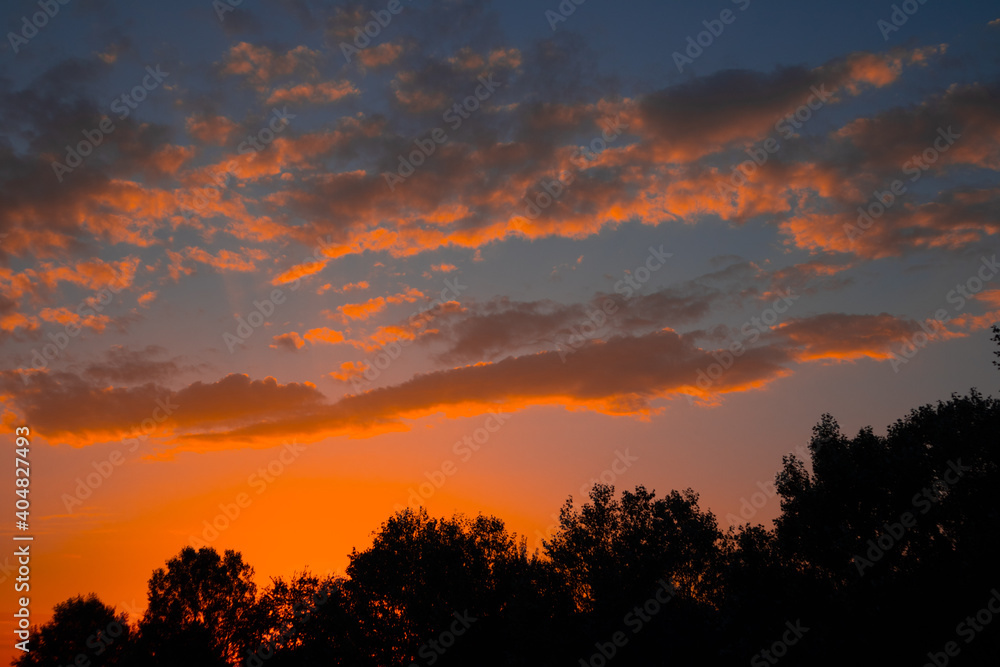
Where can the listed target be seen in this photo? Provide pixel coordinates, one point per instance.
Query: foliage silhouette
(80, 627)
(202, 608)
(422, 575)
(996, 339)
(883, 544)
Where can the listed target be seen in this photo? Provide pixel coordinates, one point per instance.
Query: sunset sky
(255, 261)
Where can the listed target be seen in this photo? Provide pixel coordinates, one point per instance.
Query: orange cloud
(409, 295)
(65, 408)
(969, 322)
(349, 287)
(678, 125)
(176, 268)
(261, 64)
(618, 377)
(954, 220)
(11, 321)
(168, 159)
(348, 371)
(288, 341)
(622, 375)
(879, 70)
(467, 60)
(95, 274)
(227, 260)
(299, 271)
(362, 311)
(384, 335)
(840, 337)
(415, 97)
(214, 130)
(324, 335)
(380, 55)
(66, 317)
(310, 93)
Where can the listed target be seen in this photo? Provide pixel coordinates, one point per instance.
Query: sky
(272, 270)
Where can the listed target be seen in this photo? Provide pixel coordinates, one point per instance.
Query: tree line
(885, 551)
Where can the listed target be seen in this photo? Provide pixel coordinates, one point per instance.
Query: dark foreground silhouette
(885, 553)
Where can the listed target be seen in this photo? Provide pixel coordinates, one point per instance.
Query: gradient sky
(417, 315)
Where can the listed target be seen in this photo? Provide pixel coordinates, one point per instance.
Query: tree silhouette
(81, 630)
(759, 591)
(882, 545)
(996, 339)
(611, 551)
(424, 576)
(309, 622)
(614, 554)
(884, 525)
(202, 610)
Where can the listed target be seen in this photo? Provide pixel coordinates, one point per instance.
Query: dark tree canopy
(884, 550)
(996, 339)
(612, 551)
(207, 600)
(421, 576)
(80, 627)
